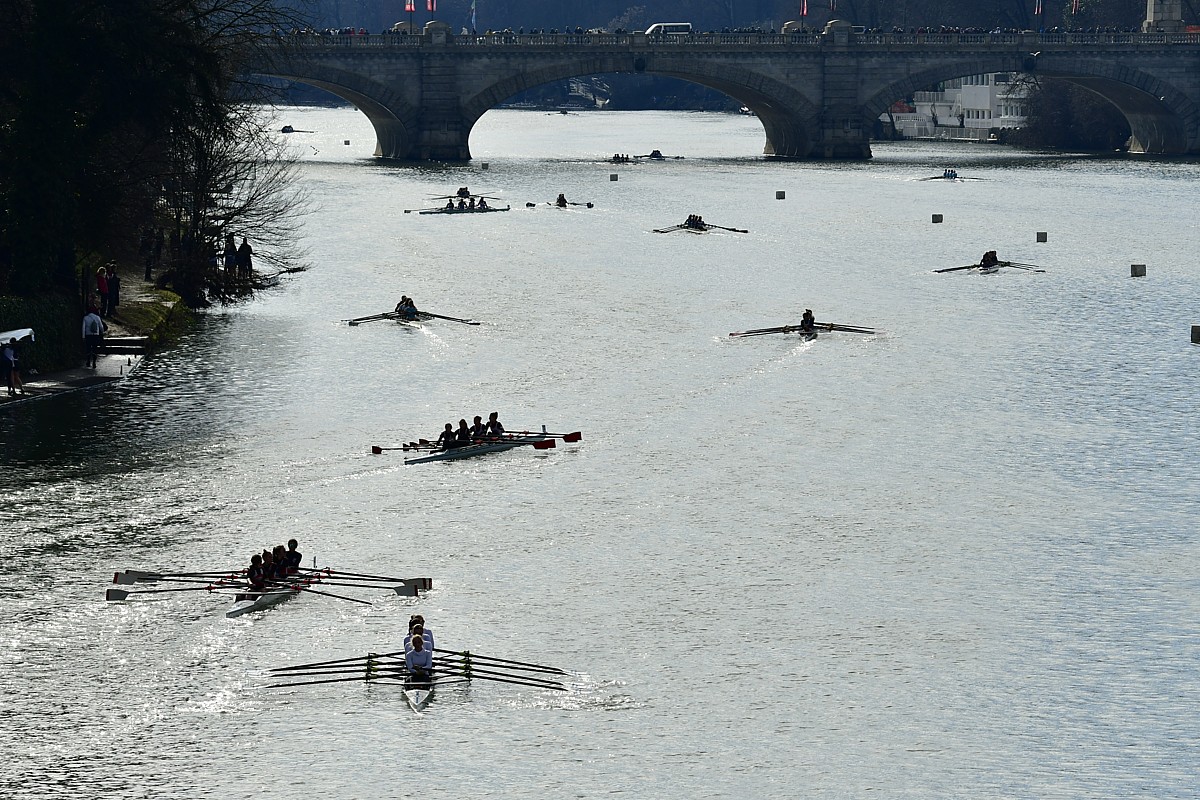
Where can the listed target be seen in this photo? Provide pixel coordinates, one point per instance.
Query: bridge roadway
(816, 94)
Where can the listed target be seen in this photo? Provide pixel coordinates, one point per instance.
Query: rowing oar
(315, 664)
(956, 269)
(833, 326)
(404, 590)
(670, 229)
(464, 663)
(130, 576)
(476, 656)
(723, 228)
(377, 450)
(545, 444)
(515, 679)
(421, 583)
(295, 588)
(127, 580)
(121, 594)
(452, 319)
(1015, 265)
(573, 436)
(388, 315)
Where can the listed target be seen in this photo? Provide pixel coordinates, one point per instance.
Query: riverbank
(145, 319)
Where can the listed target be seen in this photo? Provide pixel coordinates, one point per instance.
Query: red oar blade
(548, 444)
(572, 437)
(376, 449)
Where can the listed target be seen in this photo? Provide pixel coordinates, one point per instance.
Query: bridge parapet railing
(747, 40)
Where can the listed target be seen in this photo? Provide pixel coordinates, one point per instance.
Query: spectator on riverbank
(244, 266)
(10, 364)
(93, 330)
(114, 289)
(102, 290)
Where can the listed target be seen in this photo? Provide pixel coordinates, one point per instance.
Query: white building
(974, 107)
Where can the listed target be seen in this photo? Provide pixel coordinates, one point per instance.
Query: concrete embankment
(145, 320)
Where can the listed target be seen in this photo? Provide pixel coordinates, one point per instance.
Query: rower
(482, 204)
(464, 191)
(471, 204)
(279, 559)
(403, 304)
(561, 202)
(494, 428)
(294, 557)
(462, 204)
(418, 660)
(448, 439)
(416, 627)
(463, 434)
(479, 429)
(256, 577)
(807, 321)
(989, 259)
(450, 203)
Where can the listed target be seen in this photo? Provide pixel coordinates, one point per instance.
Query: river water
(957, 559)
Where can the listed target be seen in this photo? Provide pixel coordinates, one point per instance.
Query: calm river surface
(956, 560)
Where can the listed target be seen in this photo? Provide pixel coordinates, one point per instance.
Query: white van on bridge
(669, 29)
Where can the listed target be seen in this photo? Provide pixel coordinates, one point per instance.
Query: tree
(99, 103)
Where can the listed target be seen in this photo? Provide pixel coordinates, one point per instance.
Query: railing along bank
(608, 40)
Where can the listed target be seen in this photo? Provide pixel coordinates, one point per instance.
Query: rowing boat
(475, 210)
(418, 695)
(506, 442)
(250, 602)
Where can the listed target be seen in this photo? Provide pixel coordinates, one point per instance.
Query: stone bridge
(816, 94)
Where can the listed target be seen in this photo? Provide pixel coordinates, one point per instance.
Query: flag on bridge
(410, 6)
(833, 5)
(1037, 8)
(804, 8)
(431, 6)
(1075, 7)
(472, 15)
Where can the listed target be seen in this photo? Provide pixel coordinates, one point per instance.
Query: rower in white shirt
(416, 628)
(417, 659)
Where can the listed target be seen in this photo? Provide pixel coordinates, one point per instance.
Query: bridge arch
(789, 118)
(1162, 118)
(395, 121)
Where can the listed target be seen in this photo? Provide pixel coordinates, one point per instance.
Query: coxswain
(294, 557)
(494, 428)
(482, 204)
(561, 202)
(463, 434)
(807, 321)
(448, 439)
(479, 429)
(416, 628)
(418, 660)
